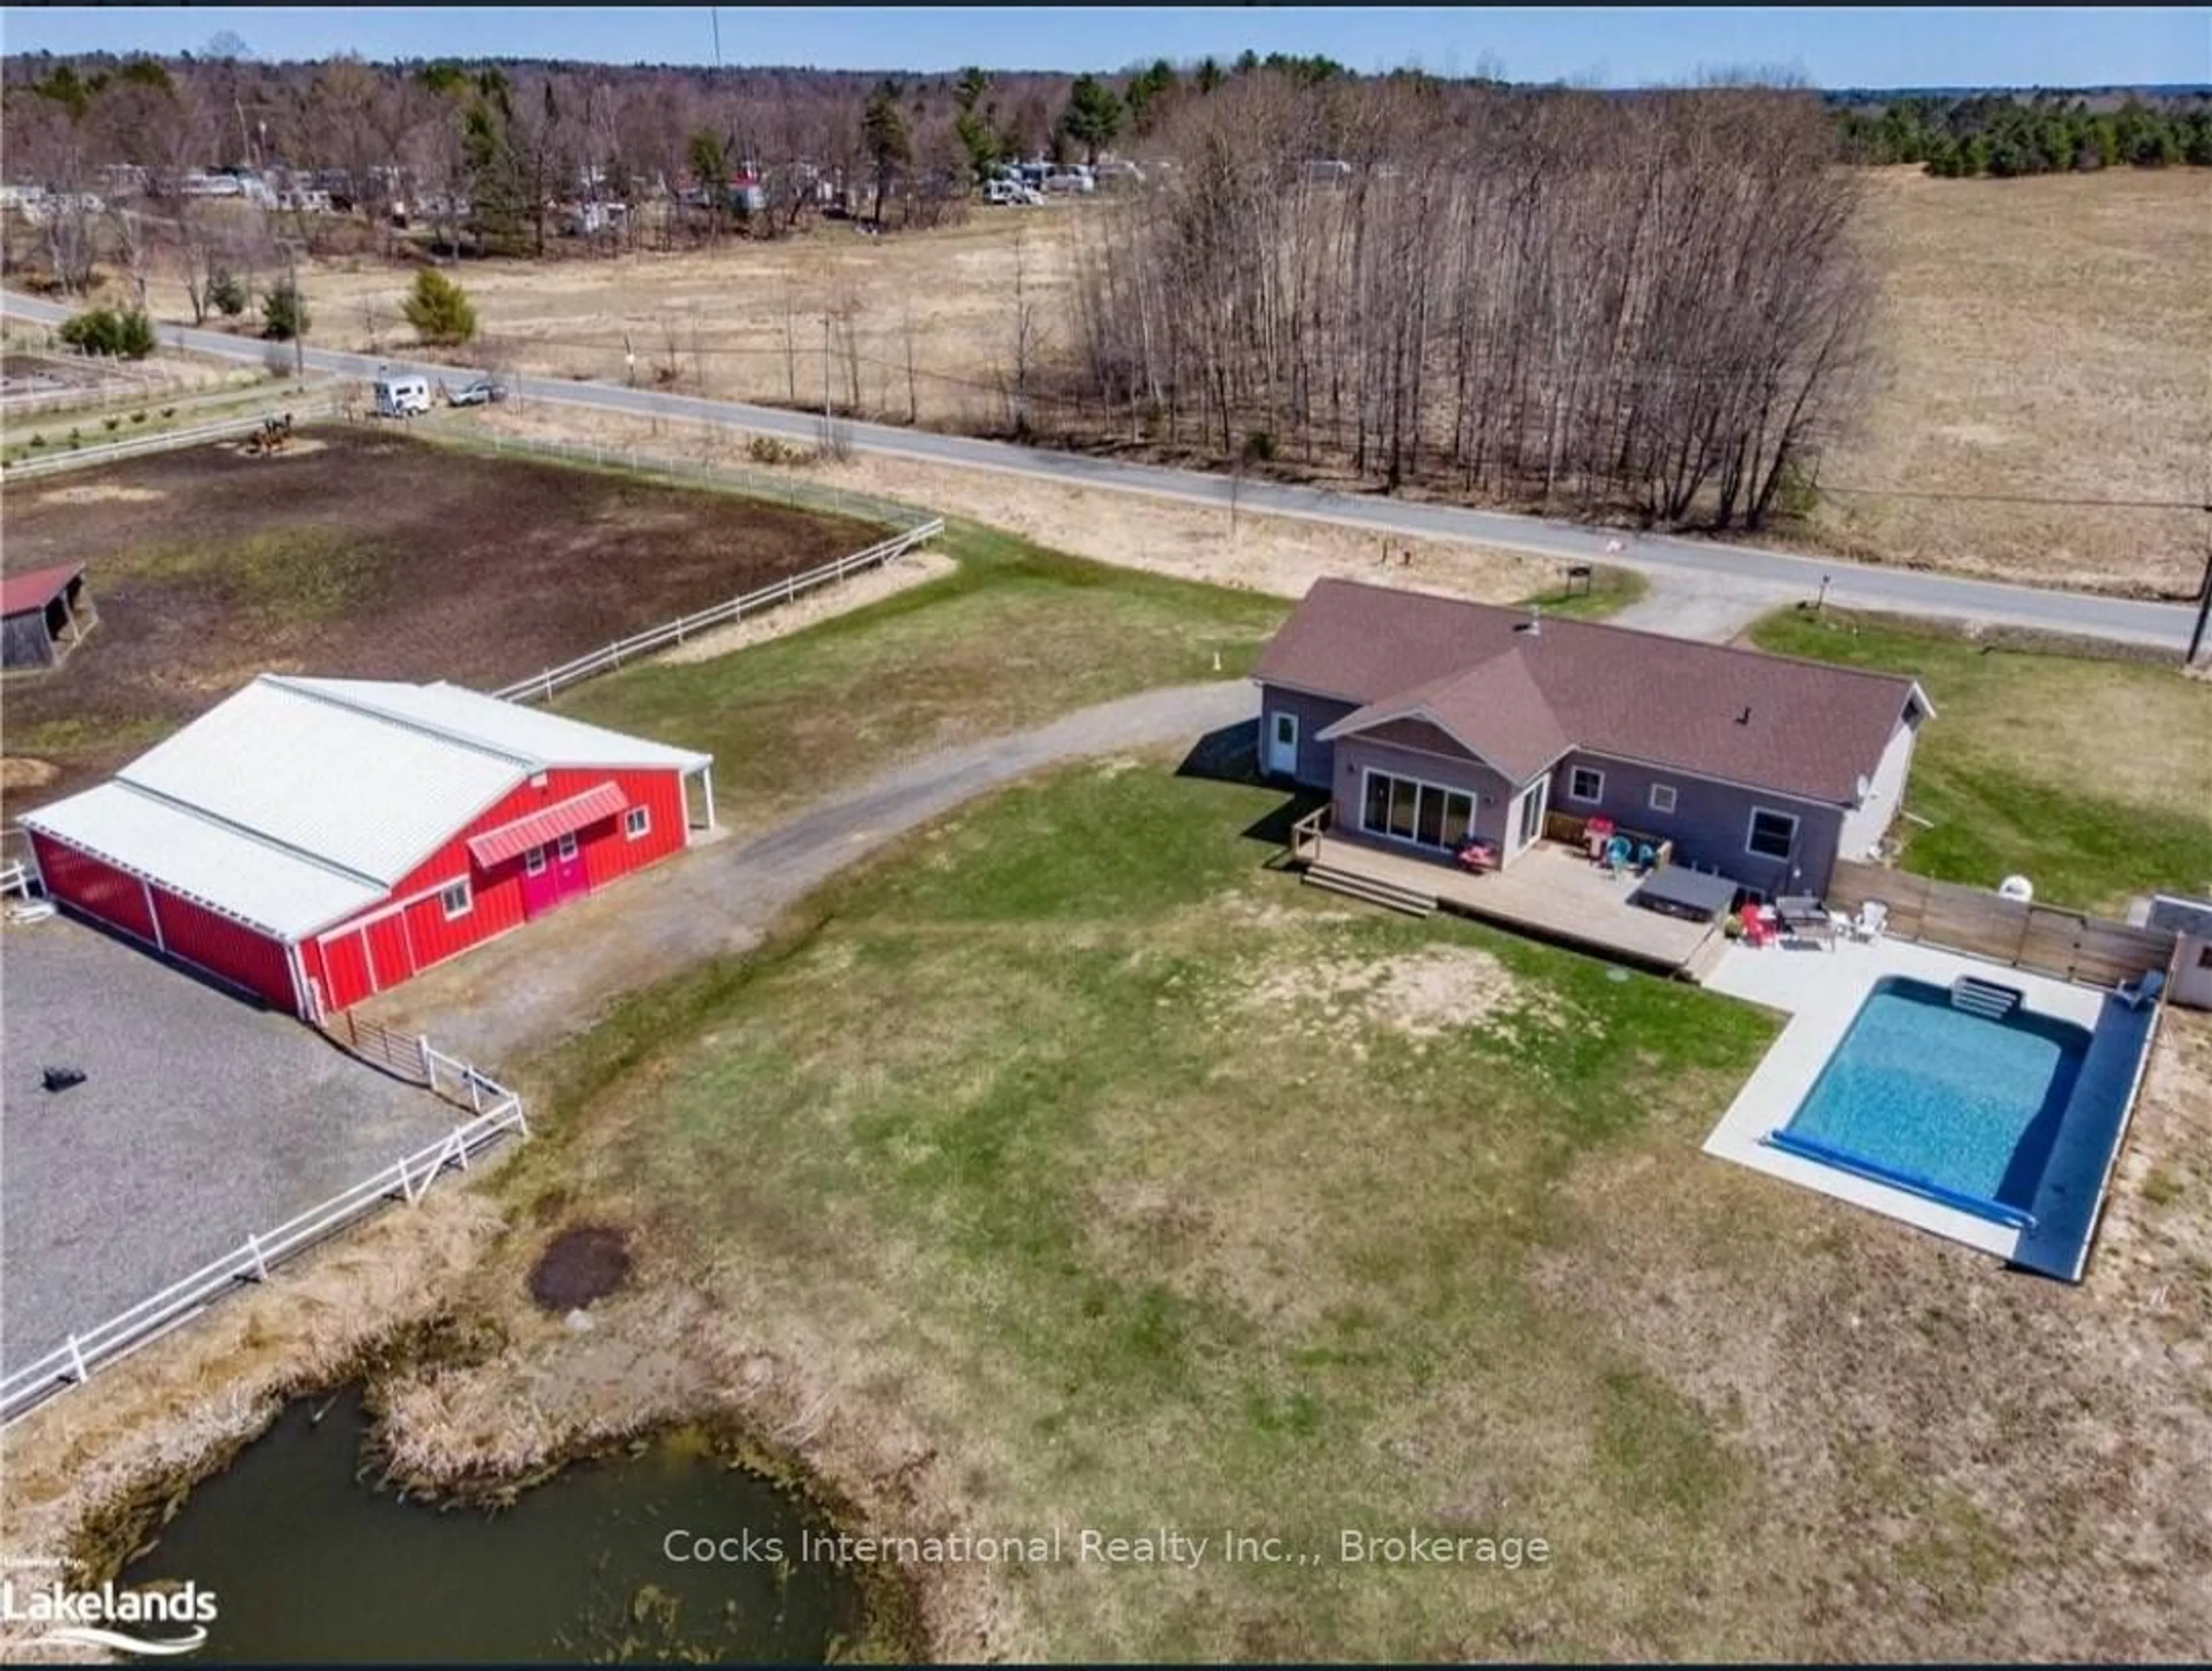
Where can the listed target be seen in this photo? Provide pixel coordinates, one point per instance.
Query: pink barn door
(570, 877)
(552, 874)
(541, 884)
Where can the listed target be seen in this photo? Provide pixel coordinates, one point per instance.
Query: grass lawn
(2092, 777)
(1158, 1190)
(1611, 591)
(1016, 637)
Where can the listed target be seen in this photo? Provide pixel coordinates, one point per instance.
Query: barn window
(568, 845)
(456, 900)
(533, 862)
(637, 822)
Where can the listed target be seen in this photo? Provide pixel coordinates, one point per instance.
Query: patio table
(1804, 915)
(1677, 891)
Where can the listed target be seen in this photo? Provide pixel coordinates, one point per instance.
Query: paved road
(508, 1001)
(1703, 566)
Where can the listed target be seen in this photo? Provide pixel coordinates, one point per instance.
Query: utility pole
(2204, 595)
(825, 383)
(299, 311)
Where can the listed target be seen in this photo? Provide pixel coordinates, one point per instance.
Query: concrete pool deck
(1821, 990)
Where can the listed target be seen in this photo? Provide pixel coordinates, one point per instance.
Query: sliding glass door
(1407, 810)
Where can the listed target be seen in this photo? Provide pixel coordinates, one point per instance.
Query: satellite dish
(1866, 788)
(2017, 887)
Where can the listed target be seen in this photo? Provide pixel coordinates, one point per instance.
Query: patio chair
(1757, 930)
(2143, 989)
(1867, 924)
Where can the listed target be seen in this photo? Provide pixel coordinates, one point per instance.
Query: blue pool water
(1966, 1103)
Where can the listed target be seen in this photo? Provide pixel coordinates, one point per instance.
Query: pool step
(1374, 892)
(1986, 999)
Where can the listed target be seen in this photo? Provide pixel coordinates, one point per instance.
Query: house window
(637, 822)
(568, 846)
(1662, 797)
(1585, 783)
(1411, 811)
(533, 862)
(1772, 835)
(456, 900)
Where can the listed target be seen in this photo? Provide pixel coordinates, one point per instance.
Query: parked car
(1011, 194)
(479, 391)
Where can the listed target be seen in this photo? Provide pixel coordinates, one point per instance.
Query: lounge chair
(2143, 989)
(1867, 924)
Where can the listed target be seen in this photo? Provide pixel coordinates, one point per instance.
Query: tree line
(1559, 298)
(1996, 134)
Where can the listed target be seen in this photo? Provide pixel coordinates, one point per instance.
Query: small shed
(2191, 919)
(47, 613)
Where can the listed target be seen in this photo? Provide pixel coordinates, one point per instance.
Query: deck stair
(1986, 999)
(1373, 889)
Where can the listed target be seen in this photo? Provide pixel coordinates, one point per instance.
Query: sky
(1618, 46)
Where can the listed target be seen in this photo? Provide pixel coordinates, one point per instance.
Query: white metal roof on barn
(527, 733)
(294, 802)
(284, 892)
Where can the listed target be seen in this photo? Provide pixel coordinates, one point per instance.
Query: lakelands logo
(152, 1623)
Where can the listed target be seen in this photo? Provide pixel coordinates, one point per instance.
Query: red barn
(316, 841)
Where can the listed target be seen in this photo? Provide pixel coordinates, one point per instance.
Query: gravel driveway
(520, 994)
(201, 1119)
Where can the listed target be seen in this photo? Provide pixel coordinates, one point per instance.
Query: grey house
(1432, 722)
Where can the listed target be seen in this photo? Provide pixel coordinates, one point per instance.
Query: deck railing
(498, 1110)
(1571, 830)
(1306, 836)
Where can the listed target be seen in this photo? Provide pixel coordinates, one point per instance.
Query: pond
(310, 1564)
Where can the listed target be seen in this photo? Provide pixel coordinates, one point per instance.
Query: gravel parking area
(201, 1119)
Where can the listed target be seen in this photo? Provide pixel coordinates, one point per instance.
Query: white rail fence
(496, 1110)
(48, 463)
(540, 687)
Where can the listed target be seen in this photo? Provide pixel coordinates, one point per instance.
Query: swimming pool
(1958, 1107)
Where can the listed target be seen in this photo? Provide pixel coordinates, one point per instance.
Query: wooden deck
(1551, 892)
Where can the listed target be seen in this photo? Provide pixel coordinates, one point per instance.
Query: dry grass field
(2041, 338)
(2048, 337)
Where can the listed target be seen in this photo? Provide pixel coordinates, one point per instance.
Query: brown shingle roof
(1812, 731)
(1494, 709)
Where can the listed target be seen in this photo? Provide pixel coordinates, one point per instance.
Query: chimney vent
(1533, 626)
(1744, 718)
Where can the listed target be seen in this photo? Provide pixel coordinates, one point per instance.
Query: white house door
(1283, 743)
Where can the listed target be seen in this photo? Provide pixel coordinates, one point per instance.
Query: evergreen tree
(882, 129)
(1093, 115)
